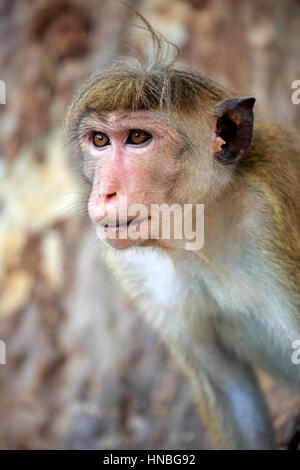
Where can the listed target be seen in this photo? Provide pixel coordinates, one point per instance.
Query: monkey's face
(134, 163)
(144, 172)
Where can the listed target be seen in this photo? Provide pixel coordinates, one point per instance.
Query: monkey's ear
(235, 127)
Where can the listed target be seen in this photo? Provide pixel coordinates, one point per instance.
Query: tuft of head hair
(154, 83)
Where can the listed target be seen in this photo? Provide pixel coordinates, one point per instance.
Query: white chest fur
(179, 299)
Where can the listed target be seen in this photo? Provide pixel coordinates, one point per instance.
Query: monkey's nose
(108, 197)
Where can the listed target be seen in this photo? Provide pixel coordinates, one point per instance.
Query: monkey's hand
(292, 442)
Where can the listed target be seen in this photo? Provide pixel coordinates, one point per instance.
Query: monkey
(150, 131)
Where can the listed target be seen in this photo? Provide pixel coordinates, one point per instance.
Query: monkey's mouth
(106, 226)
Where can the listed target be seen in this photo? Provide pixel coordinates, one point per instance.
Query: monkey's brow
(122, 119)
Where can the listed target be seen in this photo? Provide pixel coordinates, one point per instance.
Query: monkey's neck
(228, 221)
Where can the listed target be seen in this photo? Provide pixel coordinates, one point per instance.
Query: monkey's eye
(136, 137)
(100, 139)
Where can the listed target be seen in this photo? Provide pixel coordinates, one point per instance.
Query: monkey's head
(153, 134)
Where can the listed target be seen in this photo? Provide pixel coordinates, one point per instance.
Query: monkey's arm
(227, 393)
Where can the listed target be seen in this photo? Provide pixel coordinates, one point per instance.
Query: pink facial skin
(122, 172)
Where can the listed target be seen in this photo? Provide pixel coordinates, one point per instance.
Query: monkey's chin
(114, 239)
